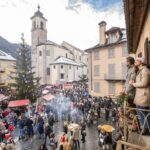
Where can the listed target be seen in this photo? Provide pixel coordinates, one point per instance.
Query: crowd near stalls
(73, 107)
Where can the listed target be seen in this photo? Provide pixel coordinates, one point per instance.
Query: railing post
(125, 123)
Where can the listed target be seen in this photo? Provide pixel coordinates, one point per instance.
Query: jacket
(142, 85)
(130, 89)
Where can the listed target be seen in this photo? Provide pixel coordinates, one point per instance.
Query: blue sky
(101, 4)
(97, 4)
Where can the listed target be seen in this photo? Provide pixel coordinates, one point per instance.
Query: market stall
(18, 103)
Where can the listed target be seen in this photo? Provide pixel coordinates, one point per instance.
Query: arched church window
(42, 25)
(40, 53)
(34, 24)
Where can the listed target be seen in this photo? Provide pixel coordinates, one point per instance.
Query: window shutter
(147, 51)
(111, 71)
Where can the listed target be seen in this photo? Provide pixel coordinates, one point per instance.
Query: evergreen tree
(25, 84)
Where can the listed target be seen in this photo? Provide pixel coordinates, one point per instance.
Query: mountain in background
(9, 48)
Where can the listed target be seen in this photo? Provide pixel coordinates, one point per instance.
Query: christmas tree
(25, 85)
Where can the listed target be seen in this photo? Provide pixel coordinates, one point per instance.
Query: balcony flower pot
(122, 98)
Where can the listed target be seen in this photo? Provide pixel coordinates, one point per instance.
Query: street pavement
(34, 143)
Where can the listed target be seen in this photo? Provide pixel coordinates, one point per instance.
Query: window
(112, 38)
(111, 71)
(54, 66)
(8, 77)
(48, 71)
(111, 88)
(8, 65)
(96, 87)
(34, 25)
(42, 25)
(80, 58)
(61, 66)
(66, 55)
(96, 70)
(40, 53)
(69, 66)
(124, 51)
(96, 55)
(111, 53)
(47, 53)
(147, 50)
(61, 76)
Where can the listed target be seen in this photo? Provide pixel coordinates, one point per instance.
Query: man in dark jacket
(48, 131)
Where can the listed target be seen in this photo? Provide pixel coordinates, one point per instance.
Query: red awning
(48, 97)
(18, 103)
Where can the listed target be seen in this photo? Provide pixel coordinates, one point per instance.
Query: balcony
(119, 77)
(2, 70)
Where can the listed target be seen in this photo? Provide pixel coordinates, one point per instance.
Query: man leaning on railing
(142, 94)
(131, 75)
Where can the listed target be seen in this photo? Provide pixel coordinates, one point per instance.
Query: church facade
(52, 62)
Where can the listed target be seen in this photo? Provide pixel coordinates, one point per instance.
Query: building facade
(52, 62)
(137, 15)
(7, 63)
(107, 68)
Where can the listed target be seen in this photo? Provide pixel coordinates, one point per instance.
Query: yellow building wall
(6, 67)
(103, 62)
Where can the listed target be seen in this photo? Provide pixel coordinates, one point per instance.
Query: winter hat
(141, 59)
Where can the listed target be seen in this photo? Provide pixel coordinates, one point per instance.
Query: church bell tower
(38, 31)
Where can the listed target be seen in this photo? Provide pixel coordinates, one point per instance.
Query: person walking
(48, 131)
(76, 143)
(142, 94)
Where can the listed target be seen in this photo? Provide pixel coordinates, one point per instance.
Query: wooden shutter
(147, 50)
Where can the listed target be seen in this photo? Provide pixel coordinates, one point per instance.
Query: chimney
(102, 35)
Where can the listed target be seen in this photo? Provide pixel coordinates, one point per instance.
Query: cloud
(74, 21)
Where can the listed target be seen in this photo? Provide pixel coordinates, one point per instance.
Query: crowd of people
(77, 110)
(71, 107)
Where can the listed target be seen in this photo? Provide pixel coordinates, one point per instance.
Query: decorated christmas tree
(25, 85)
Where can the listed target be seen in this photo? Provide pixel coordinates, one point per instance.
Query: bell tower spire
(38, 7)
(38, 30)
